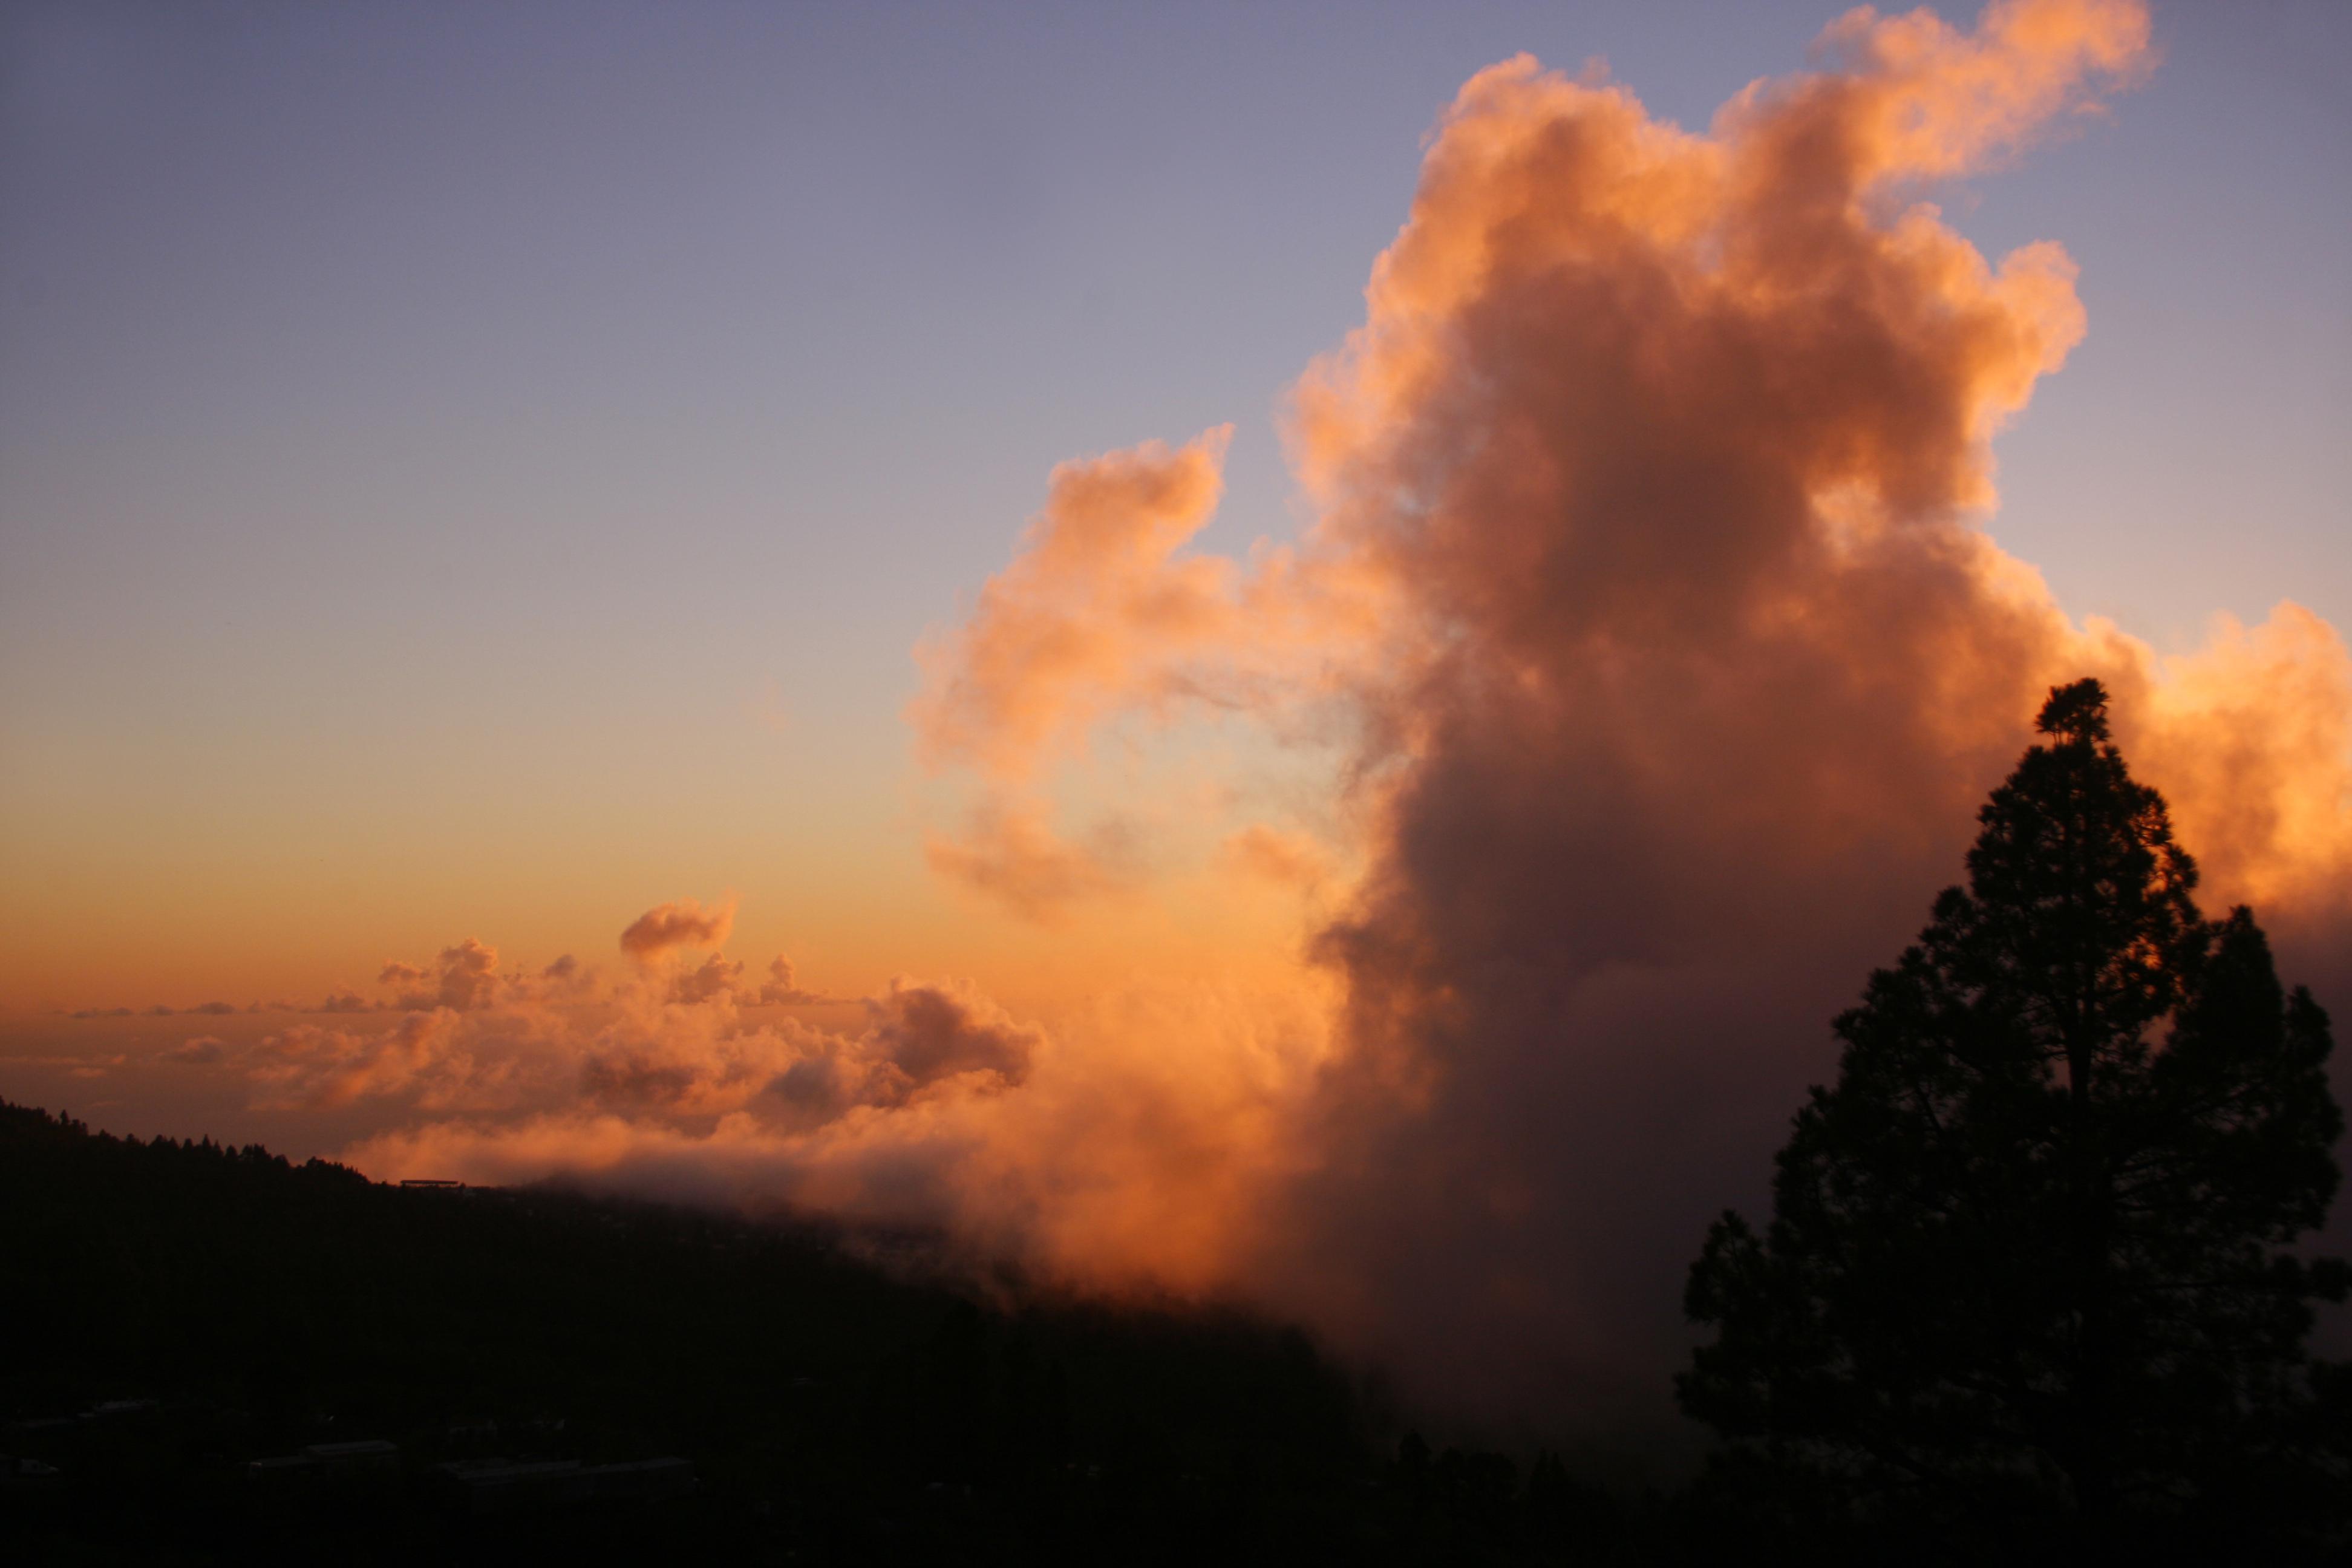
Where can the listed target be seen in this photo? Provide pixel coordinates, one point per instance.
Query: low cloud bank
(1127, 1160)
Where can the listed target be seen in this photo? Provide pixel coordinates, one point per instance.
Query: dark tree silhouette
(2028, 1256)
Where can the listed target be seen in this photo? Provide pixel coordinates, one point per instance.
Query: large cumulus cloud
(1675, 661)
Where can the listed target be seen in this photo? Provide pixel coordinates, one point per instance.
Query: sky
(488, 473)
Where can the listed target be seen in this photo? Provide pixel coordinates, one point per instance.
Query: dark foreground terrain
(489, 1374)
(211, 1355)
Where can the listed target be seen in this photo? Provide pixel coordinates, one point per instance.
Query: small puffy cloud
(927, 1032)
(631, 1079)
(717, 977)
(812, 1087)
(1103, 595)
(202, 1051)
(783, 986)
(426, 1057)
(682, 923)
(565, 978)
(665, 1060)
(462, 979)
(344, 1000)
(1105, 610)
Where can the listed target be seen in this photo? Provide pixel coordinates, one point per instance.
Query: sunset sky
(488, 472)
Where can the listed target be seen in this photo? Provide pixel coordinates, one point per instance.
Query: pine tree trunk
(2092, 1467)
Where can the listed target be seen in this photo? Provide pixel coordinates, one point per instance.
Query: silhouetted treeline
(2034, 1282)
(830, 1406)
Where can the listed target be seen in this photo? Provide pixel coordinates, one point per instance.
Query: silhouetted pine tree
(2027, 1256)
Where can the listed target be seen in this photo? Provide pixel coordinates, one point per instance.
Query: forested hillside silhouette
(177, 1311)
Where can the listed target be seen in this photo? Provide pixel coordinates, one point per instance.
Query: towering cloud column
(1647, 567)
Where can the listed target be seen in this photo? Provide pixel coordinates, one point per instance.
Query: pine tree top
(2075, 714)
